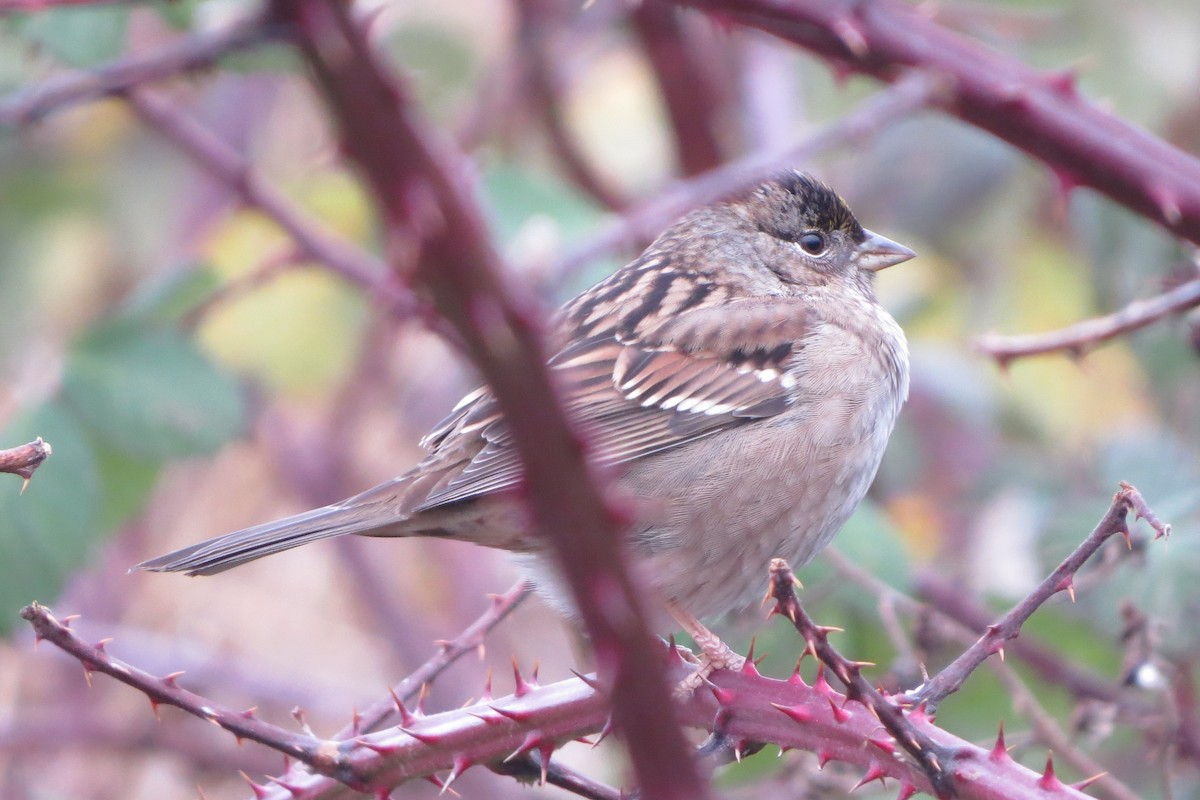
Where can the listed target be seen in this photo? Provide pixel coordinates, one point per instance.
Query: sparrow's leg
(715, 654)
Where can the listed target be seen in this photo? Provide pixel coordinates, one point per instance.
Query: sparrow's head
(817, 230)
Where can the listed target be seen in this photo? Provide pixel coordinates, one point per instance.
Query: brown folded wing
(637, 393)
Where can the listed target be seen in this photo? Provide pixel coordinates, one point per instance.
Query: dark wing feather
(637, 390)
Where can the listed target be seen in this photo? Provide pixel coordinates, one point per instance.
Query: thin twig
(27, 6)
(528, 768)
(1183, 695)
(541, 67)
(954, 604)
(648, 218)
(1076, 340)
(1041, 113)
(470, 640)
(950, 679)
(192, 52)
(222, 162)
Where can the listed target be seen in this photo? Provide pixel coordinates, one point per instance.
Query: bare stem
(15, 6)
(1078, 339)
(643, 222)
(25, 459)
(529, 768)
(541, 60)
(225, 164)
(191, 52)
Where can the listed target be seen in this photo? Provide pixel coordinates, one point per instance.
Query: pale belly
(712, 515)
(716, 514)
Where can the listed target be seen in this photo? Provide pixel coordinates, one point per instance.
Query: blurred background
(196, 373)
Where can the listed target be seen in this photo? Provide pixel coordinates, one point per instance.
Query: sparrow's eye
(813, 243)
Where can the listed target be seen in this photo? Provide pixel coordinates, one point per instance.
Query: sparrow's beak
(878, 252)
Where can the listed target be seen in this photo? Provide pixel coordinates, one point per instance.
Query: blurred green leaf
(151, 392)
(81, 37)
(268, 334)
(538, 216)
(47, 532)
(126, 482)
(869, 540)
(515, 195)
(439, 60)
(167, 299)
(1056, 626)
(178, 13)
(264, 57)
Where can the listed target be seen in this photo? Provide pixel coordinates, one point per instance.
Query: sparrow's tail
(228, 551)
(375, 512)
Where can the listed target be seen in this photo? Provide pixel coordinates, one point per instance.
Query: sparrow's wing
(686, 362)
(636, 387)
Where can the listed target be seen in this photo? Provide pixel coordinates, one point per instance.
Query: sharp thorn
(1049, 782)
(1086, 782)
(874, 773)
(999, 752)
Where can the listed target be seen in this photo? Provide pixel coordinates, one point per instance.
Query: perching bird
(740, 374)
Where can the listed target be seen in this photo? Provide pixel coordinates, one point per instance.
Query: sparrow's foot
(714, 653)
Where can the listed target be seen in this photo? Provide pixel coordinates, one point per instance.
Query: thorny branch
(166, 691)
(743, 706)
(1076, 340)
(1041, 113)
(1024, 701)
(25, 459)
(933, 760)
(351, 762)
(950, 602)
(992, 642)
(422, 190)
(1050, 734)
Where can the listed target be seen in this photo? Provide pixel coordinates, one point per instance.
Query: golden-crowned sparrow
(740, 373)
